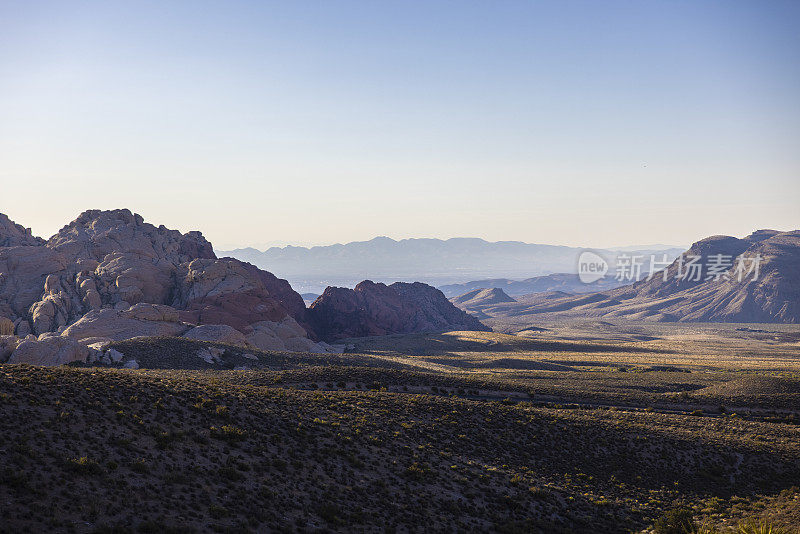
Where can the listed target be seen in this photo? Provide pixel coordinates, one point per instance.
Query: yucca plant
(760, 526)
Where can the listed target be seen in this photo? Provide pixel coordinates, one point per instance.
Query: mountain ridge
(434, 261)
(724, 294)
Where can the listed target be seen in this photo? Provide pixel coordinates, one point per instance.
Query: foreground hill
(767, 293)
(464, 431)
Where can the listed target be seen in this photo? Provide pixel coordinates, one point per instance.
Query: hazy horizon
(265, 246)
(574, 123)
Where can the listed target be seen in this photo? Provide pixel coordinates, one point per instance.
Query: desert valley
(147, 385)
(518, 267)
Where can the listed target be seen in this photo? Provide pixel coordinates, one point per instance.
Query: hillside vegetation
(451, 432)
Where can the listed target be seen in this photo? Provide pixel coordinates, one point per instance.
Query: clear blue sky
(583, 123)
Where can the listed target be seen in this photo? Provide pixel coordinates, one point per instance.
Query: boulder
(99, 342)
(114, 355)
(219, 333)
(284, 335)
(7, 346)
(139, 320)
(210, 355)
(49, 351)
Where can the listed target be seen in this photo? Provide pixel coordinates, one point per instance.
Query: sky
(577, 123)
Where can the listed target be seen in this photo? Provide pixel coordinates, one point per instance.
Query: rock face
(771, 297)
(219, 333)
(284, 335)
(14, 235)
(7, 346)
(110, 275)
(51, 350)
(230, 292)
(139, 320)
(377, 309)
(103, 258)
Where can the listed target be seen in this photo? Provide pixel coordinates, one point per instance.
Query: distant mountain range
(755, 279)
(436, 262)
(566, 282)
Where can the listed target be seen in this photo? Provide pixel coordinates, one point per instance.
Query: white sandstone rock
(49, 351)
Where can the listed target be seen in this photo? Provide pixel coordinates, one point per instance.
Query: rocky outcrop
(15, 235)
(95, 234)
(103, 258)
(139, 320)
(50, 350)
(218, 333)
(23, 271)
(7, 346)
(286, 334)
(231, 292)
(109, 275)
(434, 312)
(372, 309)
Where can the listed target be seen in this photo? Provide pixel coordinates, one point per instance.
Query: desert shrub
(330, 513)
(538, 492)
(112, 529)
(676, 521)
(140, 466)
(175, 477)
(156, 527)
(218, 512)
(165, 440)
(754, 526)
(83, 466)
(230, 473)
(14, 479)
(228, 433)
(417, 471)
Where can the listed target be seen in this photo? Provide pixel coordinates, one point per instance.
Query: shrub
(764, 526)
(677, 521)
(140, 466)
(329, 513)
(228, 433)
(84, 466)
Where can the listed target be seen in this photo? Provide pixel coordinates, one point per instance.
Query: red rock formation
(106, 259)
(377, 309)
